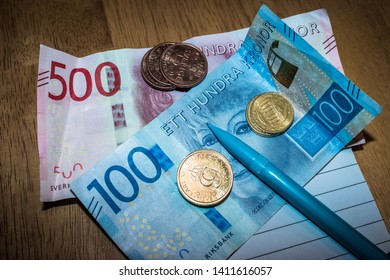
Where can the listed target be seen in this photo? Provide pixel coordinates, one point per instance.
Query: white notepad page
(289, 235)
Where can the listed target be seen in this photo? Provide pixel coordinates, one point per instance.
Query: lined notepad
(289, 235)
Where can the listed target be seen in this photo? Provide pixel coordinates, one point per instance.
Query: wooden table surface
(30, 229)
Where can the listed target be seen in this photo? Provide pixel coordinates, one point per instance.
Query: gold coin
(257, 129)
(205, 178)
(269, 114)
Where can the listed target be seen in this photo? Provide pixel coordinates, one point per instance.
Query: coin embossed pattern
(150, 80)
(205, 178)
(269, 114)
(169, 66)
(183, 65)
(153, 63)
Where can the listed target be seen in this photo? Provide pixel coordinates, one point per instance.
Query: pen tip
(210, 126)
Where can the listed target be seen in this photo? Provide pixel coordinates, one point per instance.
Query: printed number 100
(331, 113)
(133, 183)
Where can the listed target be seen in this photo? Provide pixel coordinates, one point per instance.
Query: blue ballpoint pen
(299, 198)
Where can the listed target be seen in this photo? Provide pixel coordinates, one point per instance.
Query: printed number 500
(81, 96)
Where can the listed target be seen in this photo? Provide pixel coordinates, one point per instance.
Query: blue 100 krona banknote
(133, 192)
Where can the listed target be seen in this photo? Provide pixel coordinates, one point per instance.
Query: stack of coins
(205, 178)
(169, 66)
(269, 114)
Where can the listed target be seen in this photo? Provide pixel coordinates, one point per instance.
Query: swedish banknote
(88, 106)
(133, 194)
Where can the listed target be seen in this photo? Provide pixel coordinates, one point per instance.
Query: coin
(184, 65)
(153, 62)
(149, 79)
(269, 114)
(251, 123)
(205, 178)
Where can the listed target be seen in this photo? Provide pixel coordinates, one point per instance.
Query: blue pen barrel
(318, 213)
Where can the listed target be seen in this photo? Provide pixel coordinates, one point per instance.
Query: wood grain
(30, 229)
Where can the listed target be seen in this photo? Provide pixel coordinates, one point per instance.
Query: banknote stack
(133, 192)
(119, 103)
(168, 66)
(129, 179)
